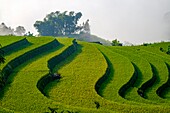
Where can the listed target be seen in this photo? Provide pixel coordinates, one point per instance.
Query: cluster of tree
(58, 24)
(86, 27)
(4, 30)
(116, 43)
(29, 34)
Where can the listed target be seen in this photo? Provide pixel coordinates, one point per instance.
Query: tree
(116, 43)
(20, 31)
(29, 34)
(56, 24)
(86, 27)
(2, 59)
(168, 52)
(4, 30)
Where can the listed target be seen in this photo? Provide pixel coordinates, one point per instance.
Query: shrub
(116, 43)
(168, 52)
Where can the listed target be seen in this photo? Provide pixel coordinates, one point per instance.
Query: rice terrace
(117, 60)
(93, 77)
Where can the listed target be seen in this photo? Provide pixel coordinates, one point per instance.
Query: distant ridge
(90, 38)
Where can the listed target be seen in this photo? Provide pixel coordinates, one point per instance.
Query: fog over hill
(5, 30)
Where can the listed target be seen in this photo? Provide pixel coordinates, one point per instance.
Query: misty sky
(135, 21)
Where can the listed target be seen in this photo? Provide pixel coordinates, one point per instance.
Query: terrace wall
(9, 48)
(130, 83)
(8, 69)
(53, 62)
(104, 77)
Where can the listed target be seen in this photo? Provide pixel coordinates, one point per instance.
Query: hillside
(91, 38)
(64, 75)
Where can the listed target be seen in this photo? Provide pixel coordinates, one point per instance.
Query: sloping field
(156, 65)
(93, 78)
(7, 40)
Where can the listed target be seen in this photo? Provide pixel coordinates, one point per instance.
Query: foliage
(168, 52)
(146, 44)
(57, 24)
(29, 34)
(116, 43)
(20, 31)
(4, 30)
(2, 60)
(86, 27)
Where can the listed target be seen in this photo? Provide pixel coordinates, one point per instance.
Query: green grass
(7, 40)
(121, 72)
(161, 74)
(80, 74)
(155, 50)
(144, 73)
(35, 43)
(85, 65)
(22, 94)
(163, 45)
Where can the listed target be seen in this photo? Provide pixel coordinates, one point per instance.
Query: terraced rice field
(94, 78)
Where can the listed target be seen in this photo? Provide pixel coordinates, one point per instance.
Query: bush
(116, 43)
(146, 44)
(168, 52)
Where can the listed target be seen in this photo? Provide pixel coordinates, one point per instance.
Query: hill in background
(90, 38)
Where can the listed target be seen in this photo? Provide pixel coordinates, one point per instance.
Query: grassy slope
(121, 72)
(155, 50)
(22, 94)
(144, 73)
(73, 89)
(35, 43)
(161, 75)
(6, 40)
(164, 45)
(88, 64)
(125, 106)
(145, 69)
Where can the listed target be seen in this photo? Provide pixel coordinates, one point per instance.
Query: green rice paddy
(94, 78)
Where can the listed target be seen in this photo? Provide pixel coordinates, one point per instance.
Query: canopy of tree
(116, 43)
(86, 27)
(57, 24)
